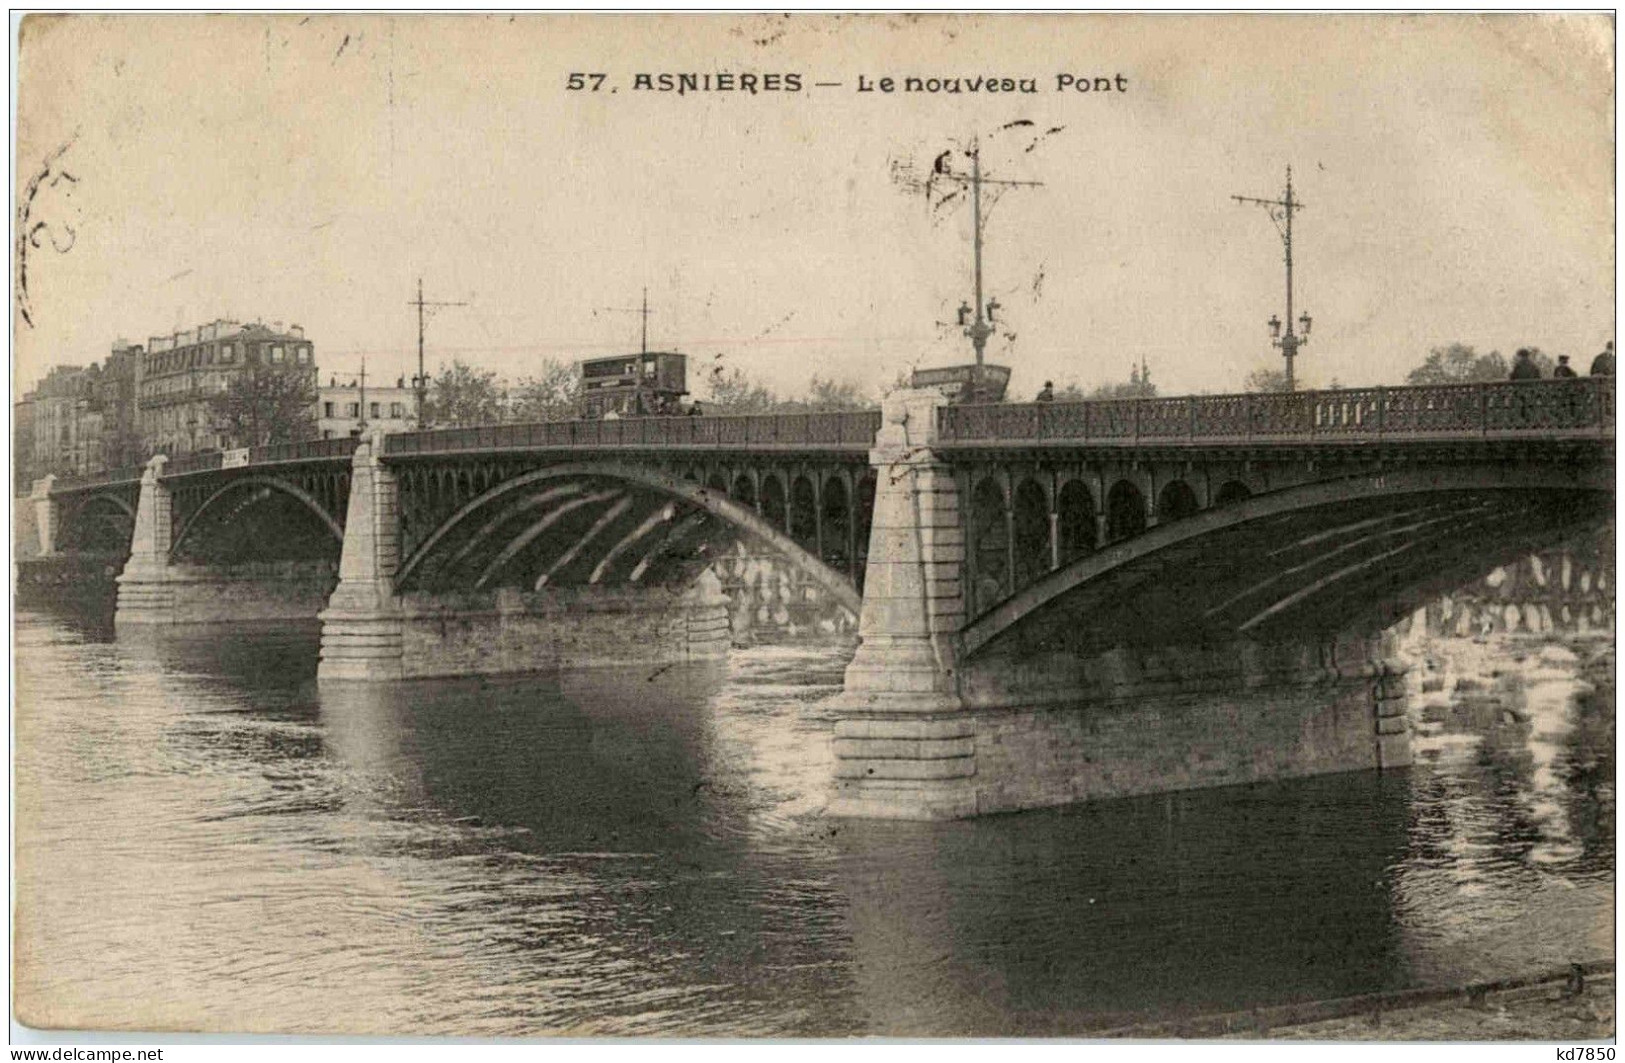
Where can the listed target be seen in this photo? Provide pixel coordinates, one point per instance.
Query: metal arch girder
(286, 488)
(1527, 540)
(1352, 596)
(103, 496)
(1017, 607)
(690, 491)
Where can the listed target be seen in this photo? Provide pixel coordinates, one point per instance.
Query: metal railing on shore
(847, 430)
(1582, 407)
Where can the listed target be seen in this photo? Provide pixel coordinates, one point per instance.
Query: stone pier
(906, 741)
(923, 732)
(154, 589)
(44, 515)
(362, 635)
(146, 593)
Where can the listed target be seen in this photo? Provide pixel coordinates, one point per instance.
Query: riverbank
(1549, 1011)
(1572, 1005)
(84, 580)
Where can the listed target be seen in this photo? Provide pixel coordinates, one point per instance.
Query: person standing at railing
(1603, 364)
(1524, 367)
(695, 411)
(1048, 394)
(1570, 403)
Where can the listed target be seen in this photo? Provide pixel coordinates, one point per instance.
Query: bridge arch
(99, 522)
(990, 541)
(836, 518)
(114, 500)
(744, 490)
(1075, 521)
(1454, 523)
(292, 491)
(803, 525)
(1176, 502)
(1030, 531)
(1231, 492)
(774, 503)
(1125, 511)
(707, 499)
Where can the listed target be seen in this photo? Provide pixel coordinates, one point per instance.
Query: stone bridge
(1053, 601)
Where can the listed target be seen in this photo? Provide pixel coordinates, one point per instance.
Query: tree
(264, 404)
(1458, 364)
(901, 381)
(462, 396)
(734, 392)
(1138, 387)
(1266, 380)
(829, 395)
(551, 395)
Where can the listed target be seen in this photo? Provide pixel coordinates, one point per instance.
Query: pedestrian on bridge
(694, 410)
(1603, 364)
(1048, 394)
(1563, 369)
(1524, 367)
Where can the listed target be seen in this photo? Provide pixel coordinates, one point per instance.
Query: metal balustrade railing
(304, 450)
(1578, 408)
(96, 479)
(847, 430)
(201, 461)
(1581, 407)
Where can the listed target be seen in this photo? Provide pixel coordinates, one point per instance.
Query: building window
(372, 410)
(304, 355)
(396, 411)
(352, 409)
(225, 352)
(327, 409)
(327, 433)
(277, 354)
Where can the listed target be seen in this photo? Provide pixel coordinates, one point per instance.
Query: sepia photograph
(813, 526)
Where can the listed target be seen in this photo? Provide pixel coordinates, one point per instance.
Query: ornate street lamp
(1280, 212)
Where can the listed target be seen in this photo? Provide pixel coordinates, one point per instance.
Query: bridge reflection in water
(642, 853)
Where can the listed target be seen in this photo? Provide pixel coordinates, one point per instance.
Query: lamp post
(1281, 212)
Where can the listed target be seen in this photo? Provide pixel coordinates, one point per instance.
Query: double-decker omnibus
(650, 384)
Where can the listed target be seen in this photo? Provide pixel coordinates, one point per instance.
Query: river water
(205, 841)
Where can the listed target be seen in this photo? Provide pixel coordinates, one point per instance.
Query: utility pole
(643, 346)
(982, 327)
(361, 407)
(420, 383)
(1281, 210)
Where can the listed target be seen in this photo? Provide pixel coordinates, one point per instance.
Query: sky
(1456, 171)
